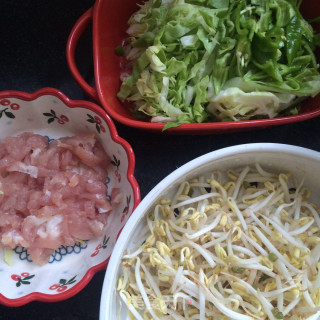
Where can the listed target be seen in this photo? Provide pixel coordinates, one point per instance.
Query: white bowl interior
(19, 116)
(275, 157)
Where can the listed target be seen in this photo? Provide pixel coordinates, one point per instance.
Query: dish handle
(77, 31)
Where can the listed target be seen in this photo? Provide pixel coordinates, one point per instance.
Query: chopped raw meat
(52, 194)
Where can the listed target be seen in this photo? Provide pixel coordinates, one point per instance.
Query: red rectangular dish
(109, 19)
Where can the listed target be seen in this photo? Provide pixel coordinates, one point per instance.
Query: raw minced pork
(51, 194)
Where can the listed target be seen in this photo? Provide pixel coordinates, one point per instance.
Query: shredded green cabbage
(186, 54)
(242, 244)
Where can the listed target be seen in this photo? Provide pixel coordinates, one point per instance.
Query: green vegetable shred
(211, 60)
(119, 50)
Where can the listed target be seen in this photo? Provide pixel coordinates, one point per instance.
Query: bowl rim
(187, 128)
(148, 200)
(43, 297)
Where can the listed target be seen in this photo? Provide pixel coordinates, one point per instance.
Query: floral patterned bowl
(51, 113)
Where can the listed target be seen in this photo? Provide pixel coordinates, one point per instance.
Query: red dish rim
(37, 296)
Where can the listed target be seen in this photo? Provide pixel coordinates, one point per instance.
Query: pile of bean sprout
(242, 244)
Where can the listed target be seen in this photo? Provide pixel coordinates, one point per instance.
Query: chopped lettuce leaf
(236, 104)
(187, 55)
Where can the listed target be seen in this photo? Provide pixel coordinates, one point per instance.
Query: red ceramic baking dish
(109, 20)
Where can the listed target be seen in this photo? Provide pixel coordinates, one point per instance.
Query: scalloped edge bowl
(49, 112)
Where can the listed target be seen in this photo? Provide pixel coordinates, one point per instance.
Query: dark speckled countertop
(33, 36)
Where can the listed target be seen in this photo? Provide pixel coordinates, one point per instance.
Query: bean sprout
(242, 245)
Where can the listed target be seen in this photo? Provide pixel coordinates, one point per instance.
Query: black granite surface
(33, 36)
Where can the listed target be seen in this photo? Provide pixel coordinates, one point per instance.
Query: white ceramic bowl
(51, 113)
(269, 155)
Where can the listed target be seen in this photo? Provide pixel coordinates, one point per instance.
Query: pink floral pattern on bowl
(52, 114)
